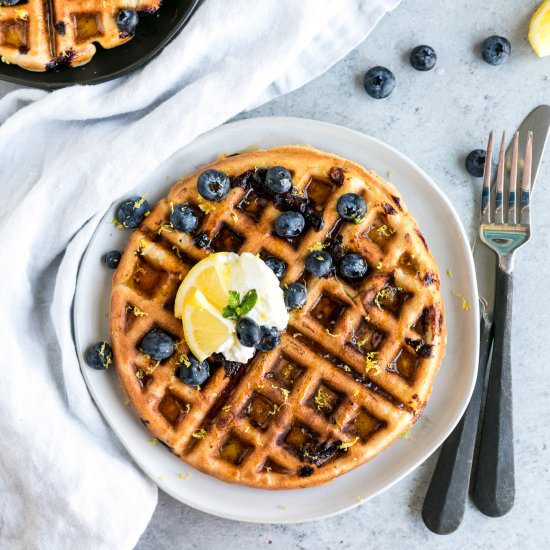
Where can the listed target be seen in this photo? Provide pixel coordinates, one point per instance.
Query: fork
(504, 228)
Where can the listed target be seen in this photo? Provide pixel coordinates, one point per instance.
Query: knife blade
(538, 121)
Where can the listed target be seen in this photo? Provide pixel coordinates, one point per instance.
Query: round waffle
(355, 366)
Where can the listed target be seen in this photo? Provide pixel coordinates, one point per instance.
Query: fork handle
(445, 500)
(494, 487)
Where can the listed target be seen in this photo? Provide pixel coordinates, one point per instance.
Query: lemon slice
(204, 328)
(539, 30)
(210, 277)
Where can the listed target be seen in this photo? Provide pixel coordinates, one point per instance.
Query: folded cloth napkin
(65, 480)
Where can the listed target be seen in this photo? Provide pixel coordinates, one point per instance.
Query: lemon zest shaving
(115, 222)
(226, 408)
(371, 363)
(153, 441)
(136, 311)
(206, 207)
(465, 304)
(185, 477)
(406, 435)
(285, 393)
(168, 227)
(184, 358)
(449, 274)
(385, 231)
(330, 333)
(139, 202)
(22, 14)
(321, 400)
(345, 446)
(200, 434)
(316, 247)
(268, 469)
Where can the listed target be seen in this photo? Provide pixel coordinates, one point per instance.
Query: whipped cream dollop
(244, 272)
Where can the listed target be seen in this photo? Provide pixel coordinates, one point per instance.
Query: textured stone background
(435, 118)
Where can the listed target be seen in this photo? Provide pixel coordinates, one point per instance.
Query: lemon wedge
(539, 30)
(210, 276)
(204, 328)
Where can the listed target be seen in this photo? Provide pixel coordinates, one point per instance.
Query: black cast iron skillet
(153, 33)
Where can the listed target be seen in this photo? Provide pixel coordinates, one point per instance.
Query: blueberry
(277, 266)
(192, 372)
(213, 185)
(248, 332)
(318, 263)
(295, 296)
(184, 218)
(475, 163)
(157, 344)
(496, 50)
(423, 58)
(99, 356)
(131, 212)
(270, 338)
(127, 20)
(111, 259)
(289, 224)
(351, 207)
(278, 180)
(9, 2)
(379, 82)
(353, 266)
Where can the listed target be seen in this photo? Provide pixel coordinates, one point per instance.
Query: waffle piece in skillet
(355, 366)
(40, 34)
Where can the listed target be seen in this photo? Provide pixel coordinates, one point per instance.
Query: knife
(445, 500)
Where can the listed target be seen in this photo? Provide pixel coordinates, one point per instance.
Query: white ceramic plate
(453, 386)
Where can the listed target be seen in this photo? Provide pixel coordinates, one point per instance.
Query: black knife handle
(445, 500)
(494, 486)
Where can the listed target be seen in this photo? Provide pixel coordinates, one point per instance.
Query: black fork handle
(494, 486)
(445, 500)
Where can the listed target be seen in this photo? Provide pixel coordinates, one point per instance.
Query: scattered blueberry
(213, 185)
(351, 207)
(99, 356)
(127, 20)
(277, 266)
(475, 163)
(278, 180)
(353, 266)
(270, 338)
(111, 259)
(289, 224)
(184, 218)
(157, 344)
(131, 212)
(496, 50)
(9, 2)
(319, 263)
(379, 82)
(192, 372)
(423, 58)
(295, 296)
(248, 332)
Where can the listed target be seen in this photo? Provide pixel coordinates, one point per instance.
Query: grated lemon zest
(465, 304)
(330, 333)
(139, 202)
(205, 207)
(449, 274)
(115, 222)
(385, 231)
(200, 434)
(371, 363)
(153, 441)
(185, 477)
(316, 247)
(226, 408)
(346, 446)
(136, 311)
(321, 400)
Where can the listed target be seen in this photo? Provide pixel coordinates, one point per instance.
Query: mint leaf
(234, 299)
(236, 307)
(230, 313)
(248, 302)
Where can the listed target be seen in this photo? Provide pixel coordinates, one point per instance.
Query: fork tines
(498, 215)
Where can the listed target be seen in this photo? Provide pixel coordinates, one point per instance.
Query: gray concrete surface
(435, 118)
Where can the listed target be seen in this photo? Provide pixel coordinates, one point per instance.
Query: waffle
(41, 34)
(355, 366)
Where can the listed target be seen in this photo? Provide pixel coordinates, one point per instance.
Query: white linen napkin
(65, 480)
